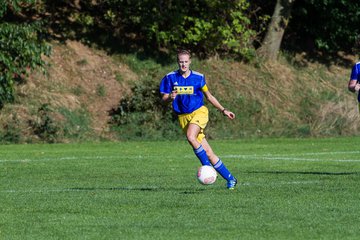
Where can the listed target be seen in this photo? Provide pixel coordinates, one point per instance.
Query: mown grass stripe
(231, 156)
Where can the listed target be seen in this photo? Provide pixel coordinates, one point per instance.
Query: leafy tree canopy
(206, 27)
(21, 46)
(330, 25)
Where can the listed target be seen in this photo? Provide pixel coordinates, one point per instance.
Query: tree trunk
(271, 44)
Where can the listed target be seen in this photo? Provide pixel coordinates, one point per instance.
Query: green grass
(289, 189)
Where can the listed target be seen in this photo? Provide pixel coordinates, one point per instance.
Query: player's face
(184, 62)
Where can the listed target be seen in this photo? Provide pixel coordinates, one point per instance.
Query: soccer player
(186, 89)
(354, 85)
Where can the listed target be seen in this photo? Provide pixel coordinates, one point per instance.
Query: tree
(317, 26)
(279, 21)
(207, 27)
(324, 25)
(21, 46)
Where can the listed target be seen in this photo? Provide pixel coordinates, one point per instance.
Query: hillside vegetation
(103, 61)
(88, 94)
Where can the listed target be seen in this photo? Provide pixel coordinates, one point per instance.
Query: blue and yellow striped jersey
(190, 90)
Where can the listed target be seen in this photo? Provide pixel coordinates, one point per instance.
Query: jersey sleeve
(203, 84)
(354, 73)
(165, 86)
(204, 88)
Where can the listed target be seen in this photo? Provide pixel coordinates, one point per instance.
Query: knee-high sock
(201, 154)
(223, 171)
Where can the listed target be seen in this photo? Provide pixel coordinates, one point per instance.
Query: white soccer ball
(206, 175)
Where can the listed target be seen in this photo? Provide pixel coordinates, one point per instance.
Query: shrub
(11, 132)
(21, 48)
(46, 127)
(143, 116)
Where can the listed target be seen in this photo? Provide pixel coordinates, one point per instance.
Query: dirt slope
(277, 95)
(78, 78)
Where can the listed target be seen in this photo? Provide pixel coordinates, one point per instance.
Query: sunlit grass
(289, 189)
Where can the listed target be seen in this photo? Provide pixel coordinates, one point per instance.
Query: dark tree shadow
(305, 173)
(140, 189)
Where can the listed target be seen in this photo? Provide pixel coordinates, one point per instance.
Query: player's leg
(193, 125)
(211, 155)
(192, 135)
(219, 165)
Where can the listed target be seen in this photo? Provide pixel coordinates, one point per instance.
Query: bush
(207, 27)
(46, 127)
(11, 131)
(143, 116)
(21, 48)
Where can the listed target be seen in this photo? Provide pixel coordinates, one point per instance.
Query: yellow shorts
(199, 117)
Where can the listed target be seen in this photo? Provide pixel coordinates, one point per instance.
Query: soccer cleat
(231, 184)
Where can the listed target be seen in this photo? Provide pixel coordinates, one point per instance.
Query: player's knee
(191, 138)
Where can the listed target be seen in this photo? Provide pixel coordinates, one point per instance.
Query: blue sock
(201, 154)
(223, 171)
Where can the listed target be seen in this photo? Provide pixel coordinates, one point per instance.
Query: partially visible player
(353, 84)
(186, 89)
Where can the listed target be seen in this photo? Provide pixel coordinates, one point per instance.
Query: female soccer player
(353, 84)
(186, 89)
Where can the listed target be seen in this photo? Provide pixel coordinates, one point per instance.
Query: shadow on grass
(141, 189)
(306, 173)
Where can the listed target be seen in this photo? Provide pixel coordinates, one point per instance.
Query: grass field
(289, 189)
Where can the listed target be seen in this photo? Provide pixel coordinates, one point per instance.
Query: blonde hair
(183, 52)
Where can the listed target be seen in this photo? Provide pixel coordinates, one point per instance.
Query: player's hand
(173, 95)
(229, 114)
(357, 87)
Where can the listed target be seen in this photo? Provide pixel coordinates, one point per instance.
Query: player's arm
(216, 103)
(165, 97)
(167, 92)
(168, 97)
(353, 86)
